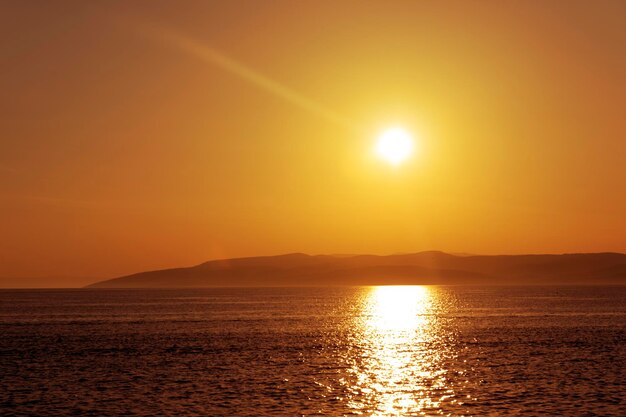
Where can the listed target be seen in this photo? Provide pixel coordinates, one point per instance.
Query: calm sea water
(380, 351)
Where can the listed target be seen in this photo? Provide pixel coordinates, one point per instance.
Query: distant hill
(298, 269)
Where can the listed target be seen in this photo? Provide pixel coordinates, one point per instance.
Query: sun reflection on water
(400, 370)
(397, 308)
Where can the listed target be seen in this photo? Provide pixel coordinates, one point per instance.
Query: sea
(340, 351)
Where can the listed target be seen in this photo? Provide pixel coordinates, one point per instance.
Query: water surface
(380, 351)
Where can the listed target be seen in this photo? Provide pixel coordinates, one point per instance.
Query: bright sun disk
(394, 145)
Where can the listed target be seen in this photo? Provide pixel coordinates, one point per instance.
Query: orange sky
(147, 134)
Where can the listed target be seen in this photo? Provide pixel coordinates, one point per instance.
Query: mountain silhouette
(433, 267)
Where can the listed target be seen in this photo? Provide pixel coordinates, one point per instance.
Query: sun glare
(394, 145)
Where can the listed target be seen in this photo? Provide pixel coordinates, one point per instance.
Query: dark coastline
(424, 268)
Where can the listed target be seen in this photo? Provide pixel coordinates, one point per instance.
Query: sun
(394, 145)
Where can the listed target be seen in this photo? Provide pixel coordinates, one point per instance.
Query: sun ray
(215, 57)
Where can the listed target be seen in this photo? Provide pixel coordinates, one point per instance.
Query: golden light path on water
(401, 367)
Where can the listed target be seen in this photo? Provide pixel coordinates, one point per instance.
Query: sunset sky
(150, 134)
